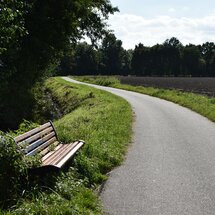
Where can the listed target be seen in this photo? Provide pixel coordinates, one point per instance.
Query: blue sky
(153, 21)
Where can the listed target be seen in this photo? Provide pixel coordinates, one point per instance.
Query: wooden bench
(43, 140)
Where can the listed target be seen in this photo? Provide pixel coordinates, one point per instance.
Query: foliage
(24, 127)
(13, 170)
(93, 117)
(140, 60)
(107, 59)
(40, 30)
(12, 22)
(108, 81)
(192, 62)
(84, 60)
(68, 98)
(168, 59)
(208, 49)
(69, 196)
(112, 53)
(173, 59)
(14, 177)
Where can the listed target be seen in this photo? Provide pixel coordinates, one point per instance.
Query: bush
(24, 127)
(12, 169)
(99, 80)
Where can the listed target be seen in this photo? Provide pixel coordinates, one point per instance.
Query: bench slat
(62, 155)
(46, 150)
(40, 141)
(51, 152)
(41, 147)
(55, 157)
(32, 132)
(37, 136)
(65, 151)
(69, 155)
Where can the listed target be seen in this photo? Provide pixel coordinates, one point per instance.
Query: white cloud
(185, 8)
(133, 29)
(172, 10)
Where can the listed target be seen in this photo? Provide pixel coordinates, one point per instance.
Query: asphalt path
(170, 166)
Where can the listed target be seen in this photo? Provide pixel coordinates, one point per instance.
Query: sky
(153, 21)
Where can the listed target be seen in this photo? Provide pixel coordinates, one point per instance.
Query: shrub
(99, 80)
(12, 169)
(24, 127)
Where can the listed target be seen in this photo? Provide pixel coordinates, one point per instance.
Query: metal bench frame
(43, 140)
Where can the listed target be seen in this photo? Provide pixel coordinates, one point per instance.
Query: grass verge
(201, 104)
(104, 121)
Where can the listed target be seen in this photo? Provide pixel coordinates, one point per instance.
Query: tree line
(168, 59)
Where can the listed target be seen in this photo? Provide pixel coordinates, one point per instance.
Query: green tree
(157, 66)
(141, 59)
(192, 62)
(67, 63)
(86, 60)
(211, 72)
(172, 53)
(12, 22)
(112, 55)
(208, 54)
(126, 62)
(49, 27)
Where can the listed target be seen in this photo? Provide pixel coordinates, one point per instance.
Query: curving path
(170, 167)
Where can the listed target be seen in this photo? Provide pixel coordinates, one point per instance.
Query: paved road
(170, 167)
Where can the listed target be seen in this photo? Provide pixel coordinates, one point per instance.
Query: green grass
(99, 80)
(104, 121)
(201, 104)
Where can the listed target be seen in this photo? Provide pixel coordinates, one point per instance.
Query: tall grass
(99, 80)
(101, 119)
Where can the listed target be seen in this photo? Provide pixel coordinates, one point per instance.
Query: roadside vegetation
(104, 121)
(201, 104)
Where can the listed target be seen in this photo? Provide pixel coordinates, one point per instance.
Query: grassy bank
(101, 119)
(198, 103)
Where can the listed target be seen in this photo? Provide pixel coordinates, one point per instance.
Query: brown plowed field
(205, 86)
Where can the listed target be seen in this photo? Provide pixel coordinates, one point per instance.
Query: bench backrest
(37, 139)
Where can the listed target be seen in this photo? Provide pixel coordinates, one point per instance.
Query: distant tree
(211, 69)
(208, 54)
(141, 59)
(192, 62)
(173, 42)
(126, 62)
(158, 60)
(157, 66)
(86, 60)
(112, 55)
(67, 63)
(172, 53)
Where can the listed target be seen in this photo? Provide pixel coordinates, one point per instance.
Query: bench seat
(43, 141)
